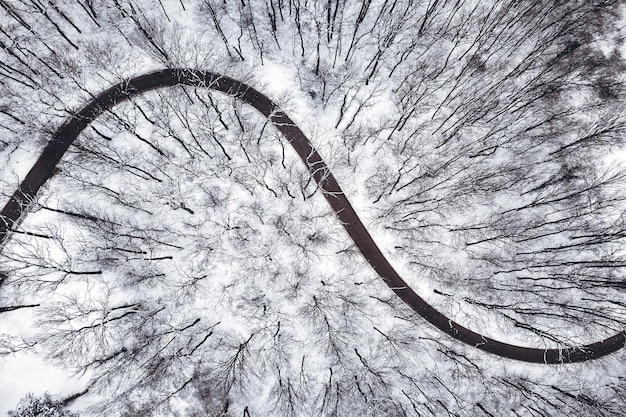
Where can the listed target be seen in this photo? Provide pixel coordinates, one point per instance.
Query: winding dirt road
(16, 208)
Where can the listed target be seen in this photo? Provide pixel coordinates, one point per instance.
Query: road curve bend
(44, 168)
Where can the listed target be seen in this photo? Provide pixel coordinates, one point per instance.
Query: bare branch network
(172, 248)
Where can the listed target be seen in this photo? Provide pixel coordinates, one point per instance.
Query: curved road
(15, 209)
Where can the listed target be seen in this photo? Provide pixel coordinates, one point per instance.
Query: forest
(316, 207)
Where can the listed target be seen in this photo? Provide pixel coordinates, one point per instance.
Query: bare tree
(183, 254)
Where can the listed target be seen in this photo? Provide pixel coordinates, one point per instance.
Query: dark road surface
(15, 209)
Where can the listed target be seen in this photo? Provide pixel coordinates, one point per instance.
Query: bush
(46, 406)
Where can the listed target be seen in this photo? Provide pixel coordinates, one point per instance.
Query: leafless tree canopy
(184, 258)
